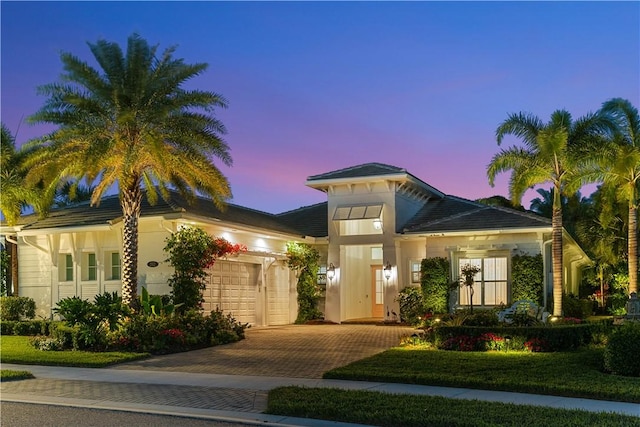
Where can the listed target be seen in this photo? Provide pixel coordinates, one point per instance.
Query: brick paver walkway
(294, 351)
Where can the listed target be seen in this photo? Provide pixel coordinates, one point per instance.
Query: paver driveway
(295, 351)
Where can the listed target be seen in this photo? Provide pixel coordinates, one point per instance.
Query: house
(378, 223)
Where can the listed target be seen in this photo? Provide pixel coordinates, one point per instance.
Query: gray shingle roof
(368, 169)
(310, 220)
(83, 214)
(456, 214)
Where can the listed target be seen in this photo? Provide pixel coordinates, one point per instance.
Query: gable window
(490, 286)
(112, 263)
(65, 268)
(89, 266)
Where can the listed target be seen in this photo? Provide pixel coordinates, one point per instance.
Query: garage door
(278, 295)
(233, 288)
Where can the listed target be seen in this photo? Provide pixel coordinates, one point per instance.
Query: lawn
(17, 349)
(381, 409)
(9, 375)
(573, 374)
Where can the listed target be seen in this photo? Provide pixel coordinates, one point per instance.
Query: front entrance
(377, 291)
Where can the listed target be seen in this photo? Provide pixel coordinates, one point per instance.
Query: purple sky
(314, 87)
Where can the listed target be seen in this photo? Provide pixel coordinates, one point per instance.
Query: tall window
(490, 287)
(89, 266)
(65, 268)
(416, 266)
(112, 262)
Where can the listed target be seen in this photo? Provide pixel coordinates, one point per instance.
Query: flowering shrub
(537, 345)
(460, 343)
(491, 341)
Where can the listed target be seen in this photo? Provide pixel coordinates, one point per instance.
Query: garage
(234, 289)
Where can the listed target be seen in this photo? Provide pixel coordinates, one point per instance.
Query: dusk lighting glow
(419, 85)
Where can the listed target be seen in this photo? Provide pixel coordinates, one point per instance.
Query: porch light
(387, 270)
(331, 271)
(377, 224)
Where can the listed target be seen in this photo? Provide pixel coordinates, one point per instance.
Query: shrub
(435, 282)
(65, 335)
(411, 305)
(108, 307)
(481, 318)
(622, 350)
(527, 274)
(304, 260)
(44, 343)
(30, 327)
(74, 310)
(17, 308)
(537, 345)
(572, 306)
(6, 327)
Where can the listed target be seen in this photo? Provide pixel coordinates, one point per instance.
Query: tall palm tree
(616, 163)
(547, 156)
(16, 194)
(131, 123)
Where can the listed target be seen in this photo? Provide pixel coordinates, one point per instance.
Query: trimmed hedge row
(558, 338)
(26, 327)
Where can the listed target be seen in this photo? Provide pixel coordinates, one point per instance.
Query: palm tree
(131, 124)
(616, 163)
(16, 194)
(547, 156)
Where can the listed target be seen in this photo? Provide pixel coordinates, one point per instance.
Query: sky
(318, 86)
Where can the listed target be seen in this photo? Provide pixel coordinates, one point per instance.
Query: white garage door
(233, 288)
(278, 295)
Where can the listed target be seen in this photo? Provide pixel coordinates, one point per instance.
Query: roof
(456, 214)
(83, 214)
(367, 169)
(310, 220)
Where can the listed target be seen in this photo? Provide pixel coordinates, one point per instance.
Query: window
(415, 267)
(490, 286)
(89, 266)
(322, 275)
(112, 263)
(359, 219)
(65, 268)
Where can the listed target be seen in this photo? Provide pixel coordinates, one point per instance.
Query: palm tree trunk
(130, 201)
(556, 253)
(633, 248)
(12, 282)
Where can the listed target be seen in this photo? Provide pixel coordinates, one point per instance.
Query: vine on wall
(527, 274)
(304, 259)
(435, 282)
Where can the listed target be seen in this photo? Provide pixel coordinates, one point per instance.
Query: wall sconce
(387, 270)
(331, 272)
(377, 224)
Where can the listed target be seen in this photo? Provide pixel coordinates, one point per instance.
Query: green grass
(574, 374)
(9, 375)
(17, 349)
(381, 409)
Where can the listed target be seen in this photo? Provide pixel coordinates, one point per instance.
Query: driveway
(295, 351)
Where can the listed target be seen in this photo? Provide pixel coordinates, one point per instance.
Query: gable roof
(451, 214)
(109, 211)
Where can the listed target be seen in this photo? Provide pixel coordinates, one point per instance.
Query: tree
(616, 163)
(131, 124)
(16, 196)
(549, 155)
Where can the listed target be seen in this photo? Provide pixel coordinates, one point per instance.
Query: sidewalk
(234, 398)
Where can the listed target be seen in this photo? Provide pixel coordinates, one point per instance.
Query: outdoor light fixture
(377, 224)
(387, 270)
(331, 271)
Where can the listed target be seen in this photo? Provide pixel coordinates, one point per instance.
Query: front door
(377, 291)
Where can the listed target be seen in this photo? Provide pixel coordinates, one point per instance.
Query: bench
(525, 307)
